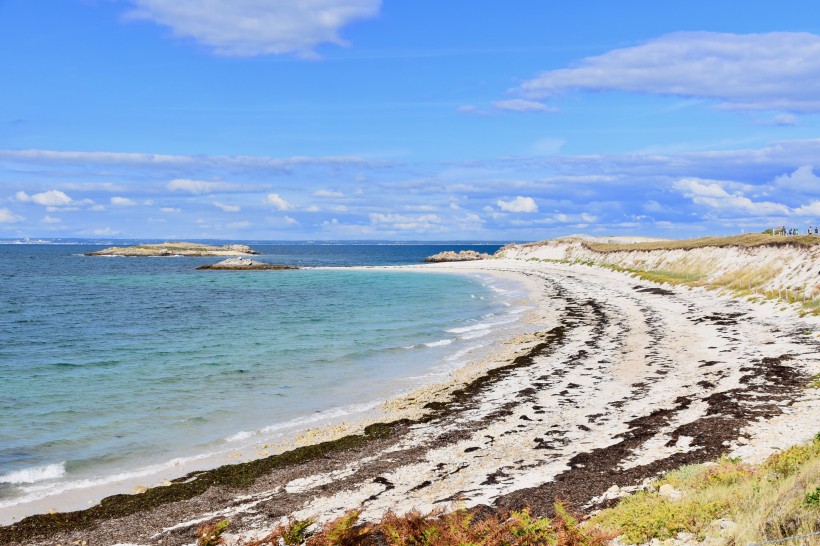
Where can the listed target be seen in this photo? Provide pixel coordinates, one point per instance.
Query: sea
(116, 368)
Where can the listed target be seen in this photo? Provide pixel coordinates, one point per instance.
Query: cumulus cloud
(772, 71)
(802, 180)
(51, 198)
(522, 105)
(519, 204)
(257, 27)
(812, 209)
(328, 194)
(711, 193)
(170, 210)
(50, 220)
(8, 217)
(122, 202)
(227, 208)
(279, 203)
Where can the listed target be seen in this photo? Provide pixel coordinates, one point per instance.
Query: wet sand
(618, 380)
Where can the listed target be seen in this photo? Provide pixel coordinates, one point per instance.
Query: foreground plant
(459, 528)
(729, 500)
(210, 534)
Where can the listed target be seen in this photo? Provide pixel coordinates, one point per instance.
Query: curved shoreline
(556, 371)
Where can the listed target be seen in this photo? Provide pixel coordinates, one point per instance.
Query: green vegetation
(210, 534)
(459, 528)
(746, 241)
(729, 501)
(769, 502)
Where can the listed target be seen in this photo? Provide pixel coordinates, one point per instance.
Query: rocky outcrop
(176, 249)
(244, 264)
(451, 256)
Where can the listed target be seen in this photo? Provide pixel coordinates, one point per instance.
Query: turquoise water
(110, 366)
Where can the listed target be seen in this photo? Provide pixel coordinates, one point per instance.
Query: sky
(407, 120)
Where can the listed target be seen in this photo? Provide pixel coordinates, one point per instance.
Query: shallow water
(115, 366)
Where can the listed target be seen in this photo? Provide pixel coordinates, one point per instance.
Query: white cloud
(711, 193)
(312, 208)
(51, 198)
(290, 221)
(50, 220)
(226, 207)
(170, 210)
(122, 202)
(522, 105)
(772, 71)
(97, 208)
(278, 202)
(802, 180)
(519, 204)
(192, 163)
(105, 232)
(812, 209)
(327, 194)
(8, 217)
(423, 222)
(257, 27)
(199, 186)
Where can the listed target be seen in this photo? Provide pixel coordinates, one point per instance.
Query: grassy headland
(748, 240)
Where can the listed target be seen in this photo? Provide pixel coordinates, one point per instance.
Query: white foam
(439, 343)
(472, 328)
(34, 474)
(239, 436)
(456, 356)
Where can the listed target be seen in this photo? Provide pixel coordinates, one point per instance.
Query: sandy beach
(616, 380)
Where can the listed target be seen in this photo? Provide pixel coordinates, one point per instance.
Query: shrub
(210, 534)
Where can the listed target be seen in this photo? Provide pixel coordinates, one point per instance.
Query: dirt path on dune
(622, 380)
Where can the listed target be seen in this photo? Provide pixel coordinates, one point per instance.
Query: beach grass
(744, 241)
(732, 501)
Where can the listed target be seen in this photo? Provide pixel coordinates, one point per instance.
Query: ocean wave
(471, 328)
(301, 422)
(439, 343)
(239, 436)
(34, 474)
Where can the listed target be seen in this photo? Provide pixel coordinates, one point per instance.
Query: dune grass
(745, 241)
(757, 503)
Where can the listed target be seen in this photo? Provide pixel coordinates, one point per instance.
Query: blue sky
(407, 120)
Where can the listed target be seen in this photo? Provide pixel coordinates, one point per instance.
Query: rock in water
(463, 256)
(245, 264)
